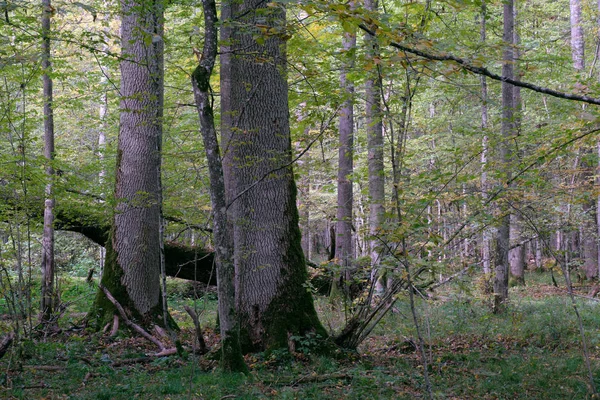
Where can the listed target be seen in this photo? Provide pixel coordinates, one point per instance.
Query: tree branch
(465, 64)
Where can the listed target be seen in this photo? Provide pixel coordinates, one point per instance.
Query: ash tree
(133, 251)
(272, 301)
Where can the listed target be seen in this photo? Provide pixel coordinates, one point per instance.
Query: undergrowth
(532, 351)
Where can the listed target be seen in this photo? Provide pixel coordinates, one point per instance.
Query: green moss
(202, 78)
(292, 314)
(231, 355)
(102, 309)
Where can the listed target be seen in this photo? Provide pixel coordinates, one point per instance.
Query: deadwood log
(181, 261)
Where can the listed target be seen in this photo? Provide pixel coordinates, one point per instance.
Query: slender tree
(503, 233)
(48, 235)
(345, 196)
(590, 225)
(231, 354)
(516, 254)
(577, 42)
(486, 234)
(373, 92)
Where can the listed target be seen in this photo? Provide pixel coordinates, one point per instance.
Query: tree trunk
(48, 236)
(345, 197)
(516, 255)
(590, 225)
(503, 234)
(231, 354)
(597, 180)
(273, 304)
(133, 258)
(374, 142)
(577, 43)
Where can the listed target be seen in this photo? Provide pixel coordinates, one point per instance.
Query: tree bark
(486, 239)
(345, 196)
(47, 295)
(374, 141)
(503, 233)
(273, 304)
(133, 257)
(516, 255)
(577, 43)
(231, 354)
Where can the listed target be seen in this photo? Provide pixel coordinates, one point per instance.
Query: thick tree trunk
(345, 196)
(133, 257)
(273, 304)
(231, 354)
(48, 236)
(503, 234)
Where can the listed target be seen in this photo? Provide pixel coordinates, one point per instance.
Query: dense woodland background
(427, 186)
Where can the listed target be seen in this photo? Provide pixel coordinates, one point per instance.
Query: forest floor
(532, 351)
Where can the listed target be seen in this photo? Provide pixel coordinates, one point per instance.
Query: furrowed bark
(272, 301)
(133, 259)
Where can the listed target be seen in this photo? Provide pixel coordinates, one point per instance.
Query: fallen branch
(163, 350)
(311, 378)
(115, 326)
(38, 386)
(5, 343)
(130, 361)
(202, 349)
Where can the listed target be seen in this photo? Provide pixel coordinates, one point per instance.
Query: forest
(376, 199)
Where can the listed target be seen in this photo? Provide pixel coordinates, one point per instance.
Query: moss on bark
(102, 310)
(291, 315)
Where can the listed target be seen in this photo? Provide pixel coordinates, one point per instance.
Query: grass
(533, 351)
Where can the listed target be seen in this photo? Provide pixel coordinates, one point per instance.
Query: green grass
(533, 351)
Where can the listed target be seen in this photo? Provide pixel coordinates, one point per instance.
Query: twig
(582, 296)
(51, 368)
(130, 361)
(311, 378)
(449, 279)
